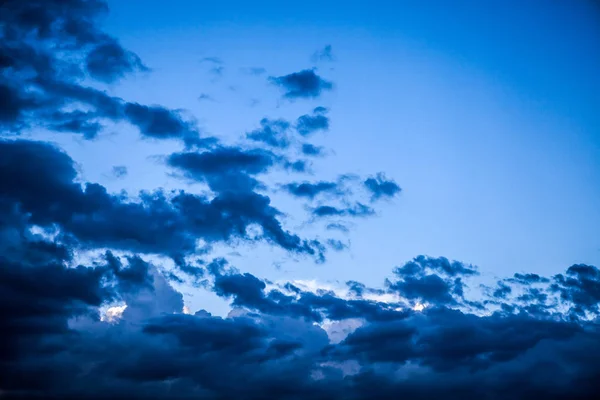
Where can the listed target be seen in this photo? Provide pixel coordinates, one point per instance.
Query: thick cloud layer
(86, 314)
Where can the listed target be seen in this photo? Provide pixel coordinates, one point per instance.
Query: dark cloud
(272, 133)
(248, 291)
(311, 190)
(309, 124)
(324, 54)
(40, 180)
(160, 123)
(225, 168)
(311, 150)
(380, 186)
(419, 336)
(502, 290)
(580, 286)
(47, 49)
(109, 61)
(357, 210)
(432, 280)
(303, 84)
(528, 279)
(80, 122)
(52, 333)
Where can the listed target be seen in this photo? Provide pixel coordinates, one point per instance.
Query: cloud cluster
(85, 314)
(49, 50)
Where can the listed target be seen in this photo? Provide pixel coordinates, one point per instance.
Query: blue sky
(486, 119)
(160, 211)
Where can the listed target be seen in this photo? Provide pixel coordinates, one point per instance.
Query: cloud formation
(44, 87)
(302, 84)
(272, 133)
(88, 305)
(308, 124)
(380, 187)
(323, 55)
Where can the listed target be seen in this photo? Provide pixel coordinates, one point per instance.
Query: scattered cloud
(205, 97)
(323, 55)
(308, 124)
(119, 171)
(89, 309)
(303, 84)
(311, 150)
(273, 133)
(380, 186)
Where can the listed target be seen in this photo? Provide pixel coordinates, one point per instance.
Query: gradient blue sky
(485, 113)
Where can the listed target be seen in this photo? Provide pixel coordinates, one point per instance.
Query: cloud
(272, 133)
(109, 61)
(72, 253)
(309, 124)
(44, 87)
(160, 123)
(225, 168)
(380, 186)
(40, 180)
(357, 210)
(205, 97)
(581, 287)
(337, 226)
(278, 341)
(325, 54)
(119, 171)
(303, 84)
(311, 150)
(311, 190)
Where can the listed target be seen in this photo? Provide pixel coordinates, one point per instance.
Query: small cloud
(380, 187)
(338, 227)
(311, 150)
(325, 54)
(303, 84)
(358, 210)
(308, 124)
(212, 60)
(311, 190)
(271, 132)
(218, 70)
(119, 171)
(205, 97)
(336, 244)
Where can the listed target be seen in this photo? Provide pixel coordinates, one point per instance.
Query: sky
(322, 201)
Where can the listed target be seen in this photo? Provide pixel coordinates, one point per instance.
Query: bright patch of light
(113, 314)
(419, 307)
